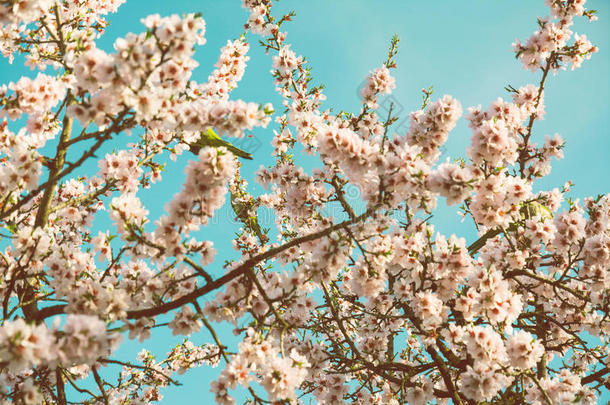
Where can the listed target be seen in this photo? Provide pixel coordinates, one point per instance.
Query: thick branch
(233, 274)
(42, 215)
(593, 377)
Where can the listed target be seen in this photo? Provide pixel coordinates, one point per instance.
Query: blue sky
(462, 48)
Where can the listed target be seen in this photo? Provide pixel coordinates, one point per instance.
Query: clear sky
(462, 48)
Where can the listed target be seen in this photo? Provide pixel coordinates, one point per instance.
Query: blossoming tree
(374, 307)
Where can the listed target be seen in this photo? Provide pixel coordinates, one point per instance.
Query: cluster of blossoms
(144, 73)
(352, 297)
(29, 30)
(550, 42)
(280, 376)
(33, 96)
(149, 74)
(453, 181)
(430, 128)
(142, 383)
(300, 195)
(123, 169)
(23, 12)
(22, 166)
(203, 193)
(498, 199)
(356, 157)
(229, 71)
(494, 141)
(379, 81)
(81, 342)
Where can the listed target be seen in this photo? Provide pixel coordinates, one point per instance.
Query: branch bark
(233, 274)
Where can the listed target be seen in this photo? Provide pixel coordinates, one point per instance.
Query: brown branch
(130, 365)
(593, 377)
(442, 368)
(233, 274)
(57, 165)
(69, 169)
(523, 155)
(100, 384)
(553, 283)
(61, 391)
